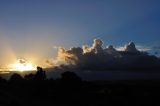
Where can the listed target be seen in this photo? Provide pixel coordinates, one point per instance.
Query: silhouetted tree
(40, 75)
(70, 77)
(29, 77)
(16, 78)
(2, 80)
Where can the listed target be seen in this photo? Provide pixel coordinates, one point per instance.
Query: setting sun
(22, 65)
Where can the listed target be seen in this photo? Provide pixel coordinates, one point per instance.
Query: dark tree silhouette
(40, 75)
(2, 80)
(16, 78)
(70, 76)
(29, 77)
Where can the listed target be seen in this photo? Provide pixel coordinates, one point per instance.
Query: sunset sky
(32, 28)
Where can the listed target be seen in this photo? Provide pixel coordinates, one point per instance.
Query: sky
(32, 28)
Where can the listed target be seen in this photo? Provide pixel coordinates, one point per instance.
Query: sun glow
(22, 65)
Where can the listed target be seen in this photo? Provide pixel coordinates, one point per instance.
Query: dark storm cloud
(98, 58)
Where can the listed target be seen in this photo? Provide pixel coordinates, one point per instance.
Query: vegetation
(70, 89)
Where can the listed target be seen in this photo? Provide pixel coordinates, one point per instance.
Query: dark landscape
(70, 89)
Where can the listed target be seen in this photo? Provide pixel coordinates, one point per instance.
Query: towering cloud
(98, 58)
(112, 51)
(131, 48)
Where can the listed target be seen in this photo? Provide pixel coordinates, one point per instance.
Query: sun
(22, 65)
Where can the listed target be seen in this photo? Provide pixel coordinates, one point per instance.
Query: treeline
(70, 89)
(40, 76)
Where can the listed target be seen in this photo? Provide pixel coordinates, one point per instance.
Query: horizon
(22, 64)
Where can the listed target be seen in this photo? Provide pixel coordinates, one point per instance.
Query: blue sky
(33, 27)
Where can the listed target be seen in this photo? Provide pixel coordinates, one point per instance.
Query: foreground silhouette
(70, 89)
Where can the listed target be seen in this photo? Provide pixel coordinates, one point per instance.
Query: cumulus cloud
(112, 51)
(131, 48)
(96, 57)
(138, 47)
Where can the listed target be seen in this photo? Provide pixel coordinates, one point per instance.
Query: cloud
(156, 47)
(131, 48)
(138, 47)
(96, 57)
(143, 48)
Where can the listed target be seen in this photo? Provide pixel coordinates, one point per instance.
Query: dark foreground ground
(36, 90)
